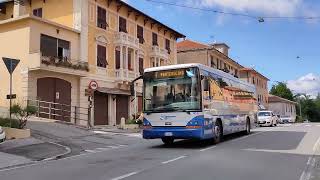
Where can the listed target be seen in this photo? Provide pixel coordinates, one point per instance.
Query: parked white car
(287, 119)
(267, 118)
(2, 135)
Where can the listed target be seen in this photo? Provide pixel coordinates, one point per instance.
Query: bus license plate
(168, 134)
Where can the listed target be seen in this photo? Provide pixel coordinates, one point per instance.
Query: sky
(286, 50)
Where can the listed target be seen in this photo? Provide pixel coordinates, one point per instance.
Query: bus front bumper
(174, 132)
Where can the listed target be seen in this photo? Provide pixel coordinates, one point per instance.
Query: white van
(267, 118)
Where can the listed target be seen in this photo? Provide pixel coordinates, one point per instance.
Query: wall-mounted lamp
(113, 97)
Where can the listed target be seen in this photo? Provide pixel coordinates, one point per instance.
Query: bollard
(122, 123)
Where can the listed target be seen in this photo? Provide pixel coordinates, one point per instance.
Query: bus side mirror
(132, 89)
(205, 85)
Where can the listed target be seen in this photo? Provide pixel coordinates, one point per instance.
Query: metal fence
(62, 112)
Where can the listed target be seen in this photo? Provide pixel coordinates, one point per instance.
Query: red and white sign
(93, 85)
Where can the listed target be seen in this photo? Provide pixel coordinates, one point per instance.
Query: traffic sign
(12, 96)
(93, 85)
(11, 64)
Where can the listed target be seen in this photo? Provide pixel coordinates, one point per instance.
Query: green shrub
(23, 114)
(5, 122)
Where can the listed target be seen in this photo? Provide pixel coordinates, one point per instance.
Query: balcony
(124, 39)
(59, 65)
(124, 75)
(156, 51)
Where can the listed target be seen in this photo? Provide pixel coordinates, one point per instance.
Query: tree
(282, 90)
(23, 114)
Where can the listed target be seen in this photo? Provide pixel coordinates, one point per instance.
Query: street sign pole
(11, 65)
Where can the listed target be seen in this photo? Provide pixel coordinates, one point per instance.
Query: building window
(102, 18)
(218, 64)
(37, 12)
(141, 66)
(236, 72)
(212, 62)
(154, 39)
(122, 25)
(53, 47)
(168, 46)
(130, 59)
(101, 56)
(253, 82)
(140, 34)
(118, 59)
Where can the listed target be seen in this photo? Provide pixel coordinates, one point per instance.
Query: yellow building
(260, 82)
(64, 45)
(212, 55)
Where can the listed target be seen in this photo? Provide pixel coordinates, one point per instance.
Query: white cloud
(260, 7)
(309, 84)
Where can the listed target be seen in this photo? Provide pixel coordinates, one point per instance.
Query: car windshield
(264, 114)
(174, 90)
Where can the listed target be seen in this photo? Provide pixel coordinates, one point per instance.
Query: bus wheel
(218, 133)
(167, 140)
(248, 127)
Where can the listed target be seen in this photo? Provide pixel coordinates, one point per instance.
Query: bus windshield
(172, 90)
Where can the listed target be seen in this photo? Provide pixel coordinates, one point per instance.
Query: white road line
(309, 161)
(307, 125)
(316, 145)
(175, 159)
(205, 149)
(125, 176)
(318, 125)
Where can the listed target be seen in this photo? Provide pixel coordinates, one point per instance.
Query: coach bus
(193, 101)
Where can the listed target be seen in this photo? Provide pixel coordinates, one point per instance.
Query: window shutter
(101, 59)
(117, 59)
(154, 39)
(122, 25)
(102, 20)
(140, 34)
(168, 45)
(141, 65)
(129, 61)
(48, 46)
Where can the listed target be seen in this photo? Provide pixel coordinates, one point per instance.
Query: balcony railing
(63, 64)
(156, 51)
(122, 38)
(125, 75)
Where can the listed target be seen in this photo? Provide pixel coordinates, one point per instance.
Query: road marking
(175, 159)
(307, 125)
(318, 125)
(137, 135)
(205, 149)
(125, 176)
(315, 147)
(309, 161)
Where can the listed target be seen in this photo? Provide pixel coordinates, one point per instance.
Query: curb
(68, 151)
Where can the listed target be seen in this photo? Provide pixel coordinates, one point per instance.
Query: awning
(116, 91)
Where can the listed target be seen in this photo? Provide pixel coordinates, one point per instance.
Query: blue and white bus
(193, 101)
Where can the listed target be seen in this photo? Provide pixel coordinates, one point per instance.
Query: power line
(260, 18)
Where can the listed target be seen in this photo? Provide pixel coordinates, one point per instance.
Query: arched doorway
(58, 92)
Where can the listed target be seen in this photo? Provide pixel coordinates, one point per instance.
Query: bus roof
(203, 68)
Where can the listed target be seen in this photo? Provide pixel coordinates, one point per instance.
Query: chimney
(222, 47)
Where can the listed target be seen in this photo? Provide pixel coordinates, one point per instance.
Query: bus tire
(167, 140)
(248, 127)
(218, 132)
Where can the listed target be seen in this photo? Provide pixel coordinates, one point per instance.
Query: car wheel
(218, 133)
(167, 140)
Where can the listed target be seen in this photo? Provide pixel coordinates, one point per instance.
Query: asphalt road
(277, 153)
